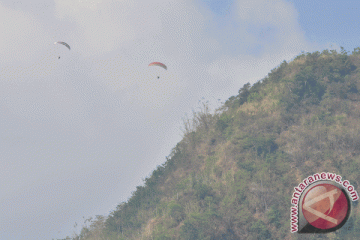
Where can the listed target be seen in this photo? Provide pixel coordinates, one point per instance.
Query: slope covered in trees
(232, 175)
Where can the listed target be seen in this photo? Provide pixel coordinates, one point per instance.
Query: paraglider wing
(158, 64)
(63, 43)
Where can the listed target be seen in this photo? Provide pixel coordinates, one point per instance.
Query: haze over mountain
(233, 174)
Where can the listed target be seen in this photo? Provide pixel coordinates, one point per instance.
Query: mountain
(233, 174)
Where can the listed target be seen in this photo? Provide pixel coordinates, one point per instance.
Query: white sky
(79, 133)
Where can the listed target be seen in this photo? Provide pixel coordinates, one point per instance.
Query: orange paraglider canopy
(158, 64)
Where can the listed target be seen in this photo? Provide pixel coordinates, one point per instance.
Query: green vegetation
(233, 173)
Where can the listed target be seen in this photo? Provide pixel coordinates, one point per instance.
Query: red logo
(325, 206)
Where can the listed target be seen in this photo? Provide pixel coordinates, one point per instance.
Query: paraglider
(63, 43)
(159, 64)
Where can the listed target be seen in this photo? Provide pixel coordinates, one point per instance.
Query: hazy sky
(79, 133)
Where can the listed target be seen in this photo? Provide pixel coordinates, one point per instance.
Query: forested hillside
(233, 174)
